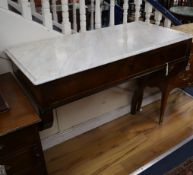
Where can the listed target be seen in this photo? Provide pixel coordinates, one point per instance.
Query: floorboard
(125, 144)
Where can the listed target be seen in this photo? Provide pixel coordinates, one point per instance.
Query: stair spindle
(55, 16)
(46, 14)
(158, 17)
(137, 9)
(4, 4)
(125, 11)
(33, 6)
(148, 11)
(167, 23)
(74, 17)
(92, 15)
(26, 9)
(66, 26)
(97, 14)
(82, 16)
(112, 13)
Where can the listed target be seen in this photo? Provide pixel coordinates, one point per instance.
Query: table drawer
(84, 83)
(18, 140)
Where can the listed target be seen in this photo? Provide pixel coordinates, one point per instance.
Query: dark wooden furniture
(183, 13)
(3, 104)
(175, 79)
(50, 95)
(20, 147)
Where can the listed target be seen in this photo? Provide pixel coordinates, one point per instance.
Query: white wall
(14, 30)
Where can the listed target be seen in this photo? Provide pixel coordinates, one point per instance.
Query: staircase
(69, 17)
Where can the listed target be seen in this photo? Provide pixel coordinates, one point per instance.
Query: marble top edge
(41, 79)
(19, 65)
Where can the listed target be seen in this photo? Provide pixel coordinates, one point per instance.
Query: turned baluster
(46, 14)
(148, 11)
(167, 23)
(158, 17)
(25, 9)
(74, 17)
(92, 15)
(4, 4)
(125, 11)
(66, 26)
(82, 16)
(112, 13)
(33, 6)
(97, 14)
(54, 11)
(137, 9)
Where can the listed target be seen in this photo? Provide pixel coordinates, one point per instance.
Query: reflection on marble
(47, 60)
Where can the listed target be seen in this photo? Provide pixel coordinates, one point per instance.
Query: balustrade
(26, 9)
(97, 14)
(54, 11)
(46, 14)
(74, 16)
(92, 15)
(158, 17)
(49, 13)
(125, 11)
(112, 13)
(4, 4)
(148, 11)
(66, 26)
(82, 16)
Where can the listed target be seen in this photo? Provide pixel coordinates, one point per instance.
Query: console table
(58, 71)
(20, 147)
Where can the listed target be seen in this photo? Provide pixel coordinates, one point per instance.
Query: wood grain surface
(125, 144)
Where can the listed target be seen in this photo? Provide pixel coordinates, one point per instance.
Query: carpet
(176, 161)
(189, 91)
(186, 168)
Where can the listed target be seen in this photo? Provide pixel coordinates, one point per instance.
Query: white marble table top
(48, 60)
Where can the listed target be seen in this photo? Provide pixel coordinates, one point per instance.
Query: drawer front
(82, 84)
(110, 74)
(18, 140)
(153, 60)
(27, 161)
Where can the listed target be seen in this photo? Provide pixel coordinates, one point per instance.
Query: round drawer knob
(7, 167)
(1, 147)
(37, 155)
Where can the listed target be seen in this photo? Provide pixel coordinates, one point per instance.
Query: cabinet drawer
(27, 161)
(18, 140)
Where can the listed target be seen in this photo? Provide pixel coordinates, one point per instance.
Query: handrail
(165, 12)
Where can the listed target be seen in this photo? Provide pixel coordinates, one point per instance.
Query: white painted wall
(14, 30)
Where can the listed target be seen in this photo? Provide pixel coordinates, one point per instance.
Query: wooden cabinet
(20, 148)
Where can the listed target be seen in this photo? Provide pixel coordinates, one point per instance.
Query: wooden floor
(121, 146)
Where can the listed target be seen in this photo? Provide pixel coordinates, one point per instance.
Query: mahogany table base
(176, 79)
(48, 96)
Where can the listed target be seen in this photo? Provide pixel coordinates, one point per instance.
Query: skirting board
(91, 124)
